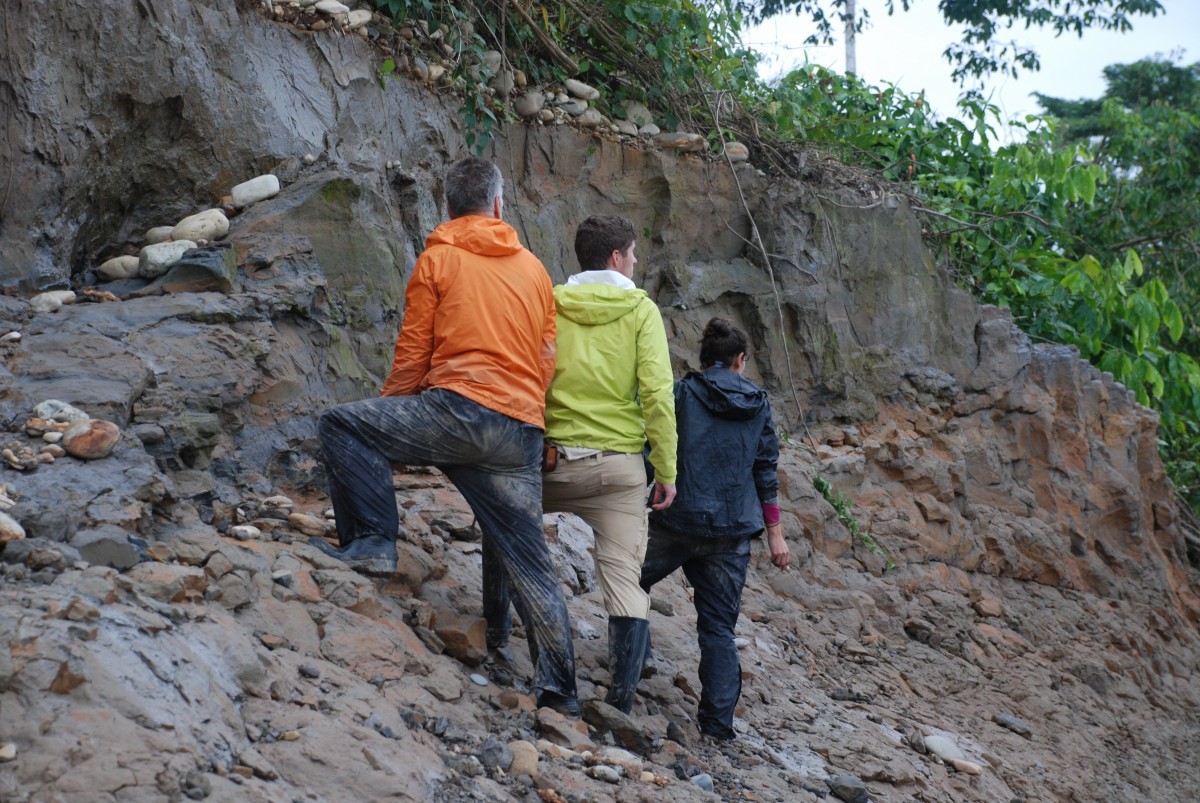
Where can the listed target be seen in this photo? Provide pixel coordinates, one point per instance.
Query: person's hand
(664, 495)
(780, 554)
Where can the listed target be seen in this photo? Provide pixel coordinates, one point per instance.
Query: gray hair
(472, 185)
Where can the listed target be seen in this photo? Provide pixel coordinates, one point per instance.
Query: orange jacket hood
(485, 236)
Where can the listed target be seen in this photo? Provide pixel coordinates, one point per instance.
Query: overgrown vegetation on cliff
(1085, 229)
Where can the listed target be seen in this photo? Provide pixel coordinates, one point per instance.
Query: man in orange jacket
(466, 393)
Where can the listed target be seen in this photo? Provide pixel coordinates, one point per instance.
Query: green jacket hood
(595, 304)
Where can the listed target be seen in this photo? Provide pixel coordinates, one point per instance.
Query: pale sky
(906, 49)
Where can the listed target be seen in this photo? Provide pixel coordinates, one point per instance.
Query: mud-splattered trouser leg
(716, 568)
(361, 440)
(509, 508)
(717, 579)
(496, 596)
(495, 462)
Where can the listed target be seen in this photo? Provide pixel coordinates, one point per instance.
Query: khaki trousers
(608, 491)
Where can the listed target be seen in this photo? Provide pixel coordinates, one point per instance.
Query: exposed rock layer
(1039, 569)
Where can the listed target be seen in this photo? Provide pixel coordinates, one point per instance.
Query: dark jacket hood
(724, 393)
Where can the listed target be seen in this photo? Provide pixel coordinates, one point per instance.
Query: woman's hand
(780, 554)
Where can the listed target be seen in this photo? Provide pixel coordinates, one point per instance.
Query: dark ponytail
(722, 342)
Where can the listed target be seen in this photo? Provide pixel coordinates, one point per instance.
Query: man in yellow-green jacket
(612, 391)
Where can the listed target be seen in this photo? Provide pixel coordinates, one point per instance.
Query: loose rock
(10, 529)
(92, 439)
(155, 260)
(637, 113)
(211, 224)
(943, 748)
(626, 127)
(261, 187)
(503, 83)
(962, 765)
(123, 267)
(592, 119)
(524, 759)
(158, 234)
(332, 8)
(737, 152)
(358, 18)
(1013, 724)
(581, 90)
(574, 107)
(51, 301)
(56, 410)
(602, 772)
(495, 754)
(848, 788)
(308, 524)
(682, 141)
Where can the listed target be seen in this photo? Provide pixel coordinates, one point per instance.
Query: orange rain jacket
(478, 320)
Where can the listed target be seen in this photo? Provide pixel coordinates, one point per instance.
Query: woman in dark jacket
(727, 489)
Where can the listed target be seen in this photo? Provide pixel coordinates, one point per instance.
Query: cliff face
(1038, 567)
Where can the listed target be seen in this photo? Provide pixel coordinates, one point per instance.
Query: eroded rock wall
(1038, 566)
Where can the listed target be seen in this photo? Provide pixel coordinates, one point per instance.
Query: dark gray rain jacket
(727, 456)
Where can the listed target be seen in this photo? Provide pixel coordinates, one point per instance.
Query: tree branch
(556, 52)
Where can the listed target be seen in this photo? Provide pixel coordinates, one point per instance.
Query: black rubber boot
(627, 639)
(565, 704)
(373, 555)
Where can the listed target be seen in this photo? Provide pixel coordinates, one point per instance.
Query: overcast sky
(906, 49)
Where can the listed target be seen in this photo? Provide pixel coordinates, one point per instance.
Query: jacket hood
(485, 236)
(595, 304)
(725, 394)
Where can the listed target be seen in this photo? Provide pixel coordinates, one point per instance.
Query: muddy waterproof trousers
(716, 568)
(493, 460)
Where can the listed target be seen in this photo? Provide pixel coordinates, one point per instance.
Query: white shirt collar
(603, 276)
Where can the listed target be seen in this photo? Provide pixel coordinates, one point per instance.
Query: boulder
(155, 260)
(211, 224)
(92, 439)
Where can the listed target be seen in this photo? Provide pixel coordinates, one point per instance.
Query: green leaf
(1147, 374)
(1144, 319)
(1091, 266)
(1133, 263)
(1156, 291)
(1172, 319)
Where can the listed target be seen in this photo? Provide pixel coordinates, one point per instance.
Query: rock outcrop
(1026, 629)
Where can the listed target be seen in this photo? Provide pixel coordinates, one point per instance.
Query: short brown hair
(600, 235)
(472, 185)
(722, 342)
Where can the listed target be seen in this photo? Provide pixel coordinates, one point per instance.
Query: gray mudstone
(848, 788)
(107, 546)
